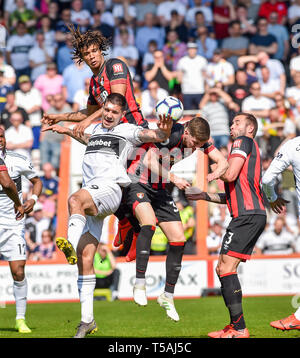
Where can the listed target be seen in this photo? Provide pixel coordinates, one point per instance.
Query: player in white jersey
(12, 229)
(288, 155)
(104, 174)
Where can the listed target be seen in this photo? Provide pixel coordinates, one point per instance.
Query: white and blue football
(169, 105)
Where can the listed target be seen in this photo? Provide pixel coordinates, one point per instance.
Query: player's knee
(74, 201)
(18, 274)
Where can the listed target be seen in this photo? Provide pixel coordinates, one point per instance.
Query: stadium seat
(103, 292)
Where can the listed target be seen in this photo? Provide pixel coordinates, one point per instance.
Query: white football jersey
(17, 165)
(107, 152)
(289, 154)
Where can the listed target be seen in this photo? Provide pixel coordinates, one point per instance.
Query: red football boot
(123, 227)
(131, 255)
(286, 324)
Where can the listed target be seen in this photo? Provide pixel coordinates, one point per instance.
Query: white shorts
(13, 244)
(107, 198)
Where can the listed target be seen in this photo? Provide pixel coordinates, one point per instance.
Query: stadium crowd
(218, 56)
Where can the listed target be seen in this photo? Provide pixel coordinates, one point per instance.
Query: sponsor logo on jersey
(237, 143)
(117, 68)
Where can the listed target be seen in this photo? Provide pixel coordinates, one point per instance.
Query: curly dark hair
(86, 39)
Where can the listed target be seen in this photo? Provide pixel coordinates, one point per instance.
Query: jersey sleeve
(208, 147)
(277, 166)
(117, 71)
(131, 133)
(241, 147)
(91, 99)
(27, 169)
(2, 163)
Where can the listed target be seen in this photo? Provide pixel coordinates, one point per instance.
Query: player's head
(196, 133)
(243, 124)
(113, 110)
(88, 47)
(2, 139)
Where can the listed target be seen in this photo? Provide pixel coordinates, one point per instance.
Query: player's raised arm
(160, 134)
(220, 166)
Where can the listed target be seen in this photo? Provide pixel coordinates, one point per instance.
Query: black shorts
(161, 201)
(242, 234)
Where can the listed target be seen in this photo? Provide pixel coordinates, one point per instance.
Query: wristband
(34, 197)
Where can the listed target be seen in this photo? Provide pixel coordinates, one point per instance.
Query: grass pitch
(124, 319)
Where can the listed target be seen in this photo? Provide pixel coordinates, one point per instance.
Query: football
(169, 105)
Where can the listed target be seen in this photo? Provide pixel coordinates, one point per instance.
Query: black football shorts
(242, 234)
(161, 201)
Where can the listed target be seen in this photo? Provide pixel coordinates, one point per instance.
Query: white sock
(20, 294)
(169, 295)
(297, 314)
(140, 281)
(86, 285)
(75, 229)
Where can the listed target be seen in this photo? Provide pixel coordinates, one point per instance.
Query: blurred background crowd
(218, 56)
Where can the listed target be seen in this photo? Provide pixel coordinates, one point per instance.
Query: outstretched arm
(160, 134)
(194, 193)
(83, 139)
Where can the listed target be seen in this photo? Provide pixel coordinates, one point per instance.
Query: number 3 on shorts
(228, 241)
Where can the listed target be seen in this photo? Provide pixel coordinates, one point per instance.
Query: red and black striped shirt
(244, 195)
(115, 71)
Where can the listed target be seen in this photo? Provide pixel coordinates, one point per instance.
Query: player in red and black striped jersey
(111, 76)
(243, 195)
(152, 204)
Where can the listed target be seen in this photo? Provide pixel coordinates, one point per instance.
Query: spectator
(107, 274)
(147, 58)
(106, 16)
(259, 106)
(49, 84)
(292, 93)
(263, 40)
(22, 13)
(276, 240)
(248, 27)
(51, 141)
(64, 54)
(61, 28)
(213, 109)
(219, 70)
(122, 26)
(79, 16)
(144, 7)
(17, 50)
(4, 89)
(235, 45)
(239, 90)
(214, 238)
(160, 71)
(137, 89)
(148, 33)
(81, 97)
(294, 64)
(294, 12)
(73, 79)
(190, 16)
(129, 52)
(165, 8)
(53, 13)
(35, 224)
(98, 25)
(11, 107)
(48, 31)
(191, 76)
(9, 75)
(223, 14)
(273, 132)
(270, 7)
(124, 11)
(49, 208)
(282, 36)
(19, 138)
(177, 24)
(39, 56)
(206, 44)
(30, 99)
(150, 97)
(50, 181)
(173, 50)
(263, 59)
(269, 86)
(46, 250)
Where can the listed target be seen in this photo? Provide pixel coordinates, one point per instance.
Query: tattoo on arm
(219, 198)
(84, 139)
(152, 135)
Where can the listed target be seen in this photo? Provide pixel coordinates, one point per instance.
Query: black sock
(143, 245)
(232, 295)
(173, 265)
